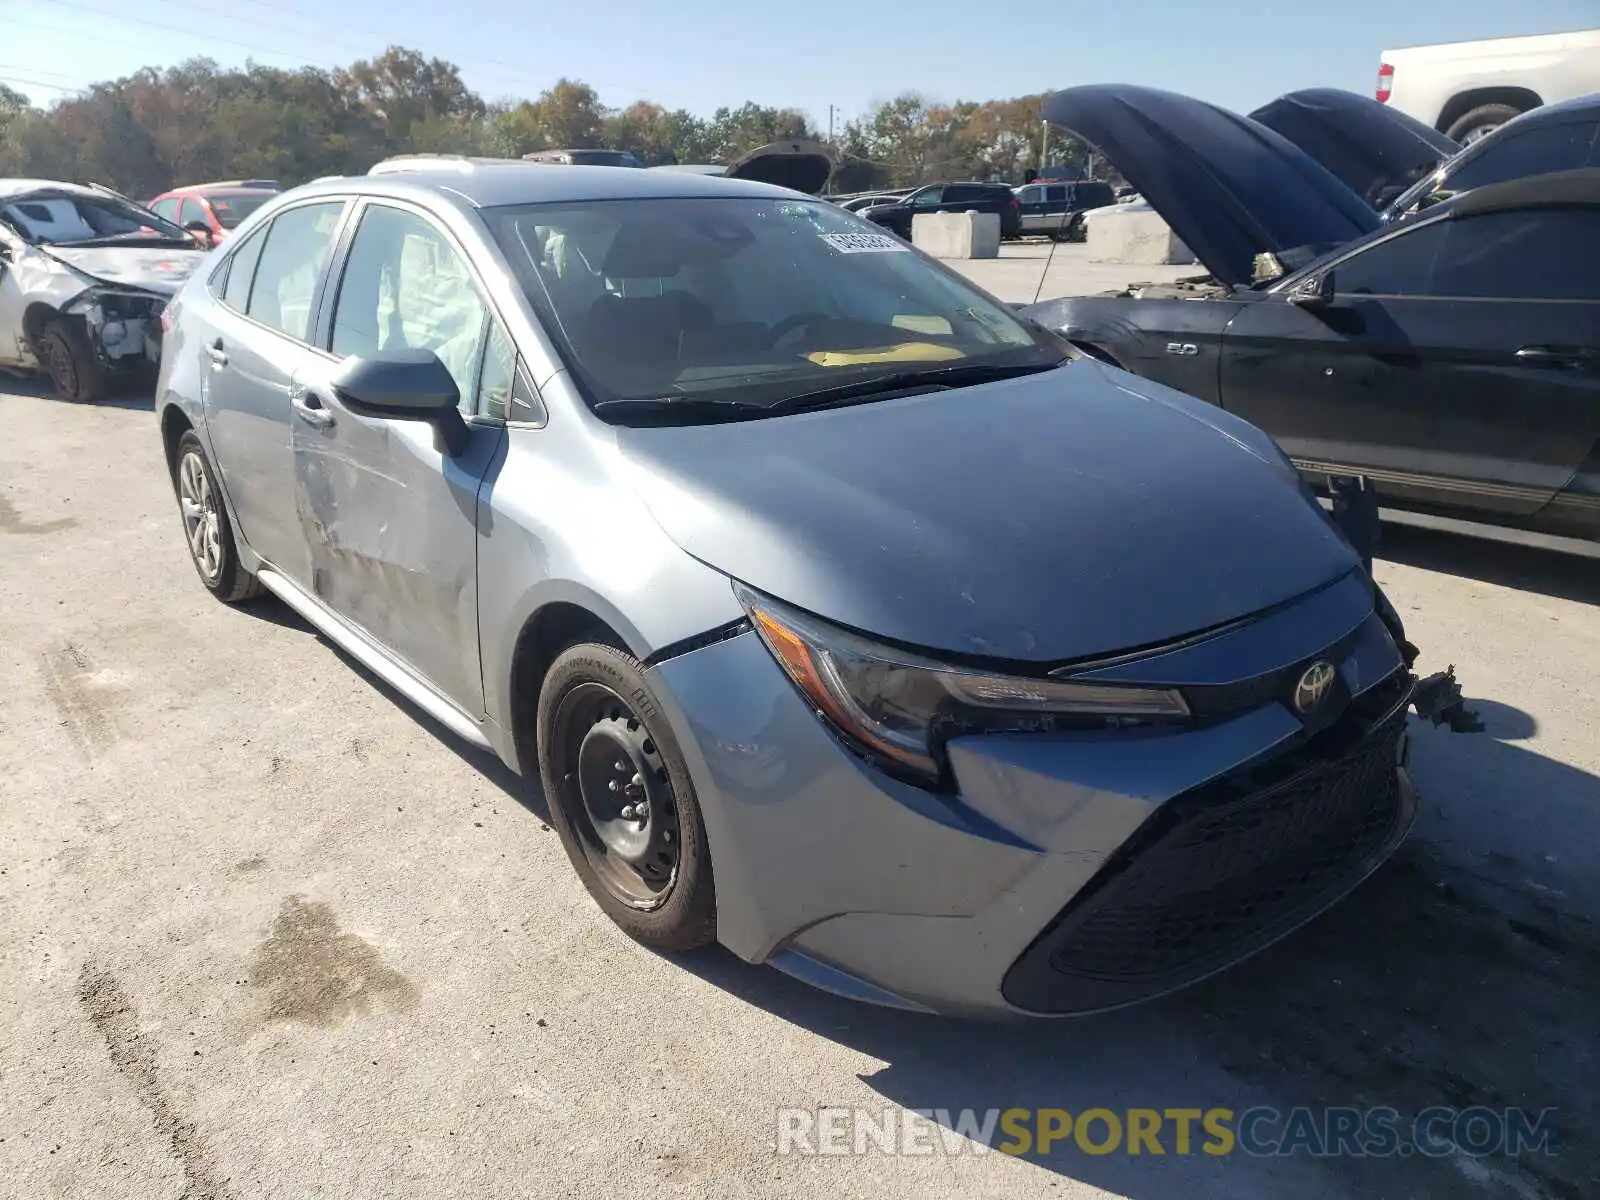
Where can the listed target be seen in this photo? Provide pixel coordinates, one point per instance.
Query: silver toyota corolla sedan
(844, 617)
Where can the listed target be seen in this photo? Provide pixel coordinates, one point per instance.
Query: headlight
(901, 707)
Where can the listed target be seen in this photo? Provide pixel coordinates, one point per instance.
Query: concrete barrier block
(957, 235)
(1135, 237)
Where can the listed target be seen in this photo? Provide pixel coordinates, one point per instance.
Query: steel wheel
(617, 795)
(201, 522)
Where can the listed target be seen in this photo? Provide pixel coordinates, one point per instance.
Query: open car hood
(1372, 148)
(153, 270)
(804, 166)
(1230, 187)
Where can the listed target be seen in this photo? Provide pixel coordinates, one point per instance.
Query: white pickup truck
(1466, 89)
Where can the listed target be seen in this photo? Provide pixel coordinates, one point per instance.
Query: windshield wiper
(680, 409)
(898, 381)
(116, 239)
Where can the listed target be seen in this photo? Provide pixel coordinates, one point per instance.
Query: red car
(221, 206)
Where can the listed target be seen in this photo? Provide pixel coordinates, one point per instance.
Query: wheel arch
(35, 318)
(174, 424)
(548, 630)
(1096, 351)
(1464, 102)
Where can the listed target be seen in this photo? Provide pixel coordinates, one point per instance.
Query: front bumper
(1070, 872)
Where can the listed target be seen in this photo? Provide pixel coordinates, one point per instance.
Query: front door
(391, 519)
(1454, 366)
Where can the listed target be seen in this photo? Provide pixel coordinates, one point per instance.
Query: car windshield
(230, 210)
(748, 300)
(65, 218)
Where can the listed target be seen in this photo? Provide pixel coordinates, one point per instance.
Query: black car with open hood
(1230, 187)
(799, 164)
(1376, 151)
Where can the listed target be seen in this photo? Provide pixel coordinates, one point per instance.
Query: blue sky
(699, 54)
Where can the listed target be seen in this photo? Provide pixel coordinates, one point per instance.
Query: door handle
(218, 356)
(1559, 356)
(310, 409)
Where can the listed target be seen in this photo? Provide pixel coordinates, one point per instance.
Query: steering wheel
(793, 322)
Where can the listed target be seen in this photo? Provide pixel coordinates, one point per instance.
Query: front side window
(750, 299)
(928, 197)
(1398, 266)
(192, 210)
(167, 209)
(298, 245)
(1528, 255)
(406, 287)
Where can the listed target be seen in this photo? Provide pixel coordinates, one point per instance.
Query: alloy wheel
(201, 521)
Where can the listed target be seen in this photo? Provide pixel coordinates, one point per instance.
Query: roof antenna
(1060, 230)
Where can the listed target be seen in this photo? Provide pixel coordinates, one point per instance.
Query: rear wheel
(206, 528)
(621, 799)
(1480, 122)
(76, 373)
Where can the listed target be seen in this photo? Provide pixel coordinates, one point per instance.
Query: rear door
(390, 518)
(260, 329)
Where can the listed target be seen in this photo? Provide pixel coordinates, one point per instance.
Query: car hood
(161, 271)
(1230, 187)
(1369, 146)
(804, 166)
(1056, 517)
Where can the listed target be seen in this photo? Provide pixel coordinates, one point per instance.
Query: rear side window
(1539, 255)
(1532, 152)
(1056, 195)
(297, 248)
(966, 193)
(242, 271)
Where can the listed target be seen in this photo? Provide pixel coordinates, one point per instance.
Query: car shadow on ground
(1569, 572)
(134, 398)
(1445, 980)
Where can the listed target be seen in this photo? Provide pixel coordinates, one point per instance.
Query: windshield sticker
(864, 243)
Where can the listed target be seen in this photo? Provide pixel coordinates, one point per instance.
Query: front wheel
(622, 801)
(75, 371)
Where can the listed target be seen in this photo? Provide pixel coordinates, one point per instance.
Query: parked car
(997, 198)
(1556, 137)
(804, 166)
(1075, 698)
(1453, 359)
(856, 203)
(585, 158)
(1056, 209)
(218, 207)
(1470, 89)
(84, 276)
(1376, 152)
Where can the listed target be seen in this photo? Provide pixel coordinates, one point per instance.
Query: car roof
(491, 185)
(18, 187)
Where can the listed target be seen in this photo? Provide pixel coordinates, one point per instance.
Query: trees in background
(196, 121)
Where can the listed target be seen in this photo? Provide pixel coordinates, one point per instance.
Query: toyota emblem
(1313, 686)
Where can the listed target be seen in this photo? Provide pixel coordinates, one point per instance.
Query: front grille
(1222, 870)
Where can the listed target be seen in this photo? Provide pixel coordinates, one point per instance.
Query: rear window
(230, 210)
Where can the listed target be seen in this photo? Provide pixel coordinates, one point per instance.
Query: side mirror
(404, 385)
(200, 231)
(1314, 292)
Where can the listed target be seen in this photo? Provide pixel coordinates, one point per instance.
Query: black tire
(1485, 115)
(595, 706)
(228, 581)
(75, 371)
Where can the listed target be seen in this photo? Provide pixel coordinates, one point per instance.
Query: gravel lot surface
(266, 932)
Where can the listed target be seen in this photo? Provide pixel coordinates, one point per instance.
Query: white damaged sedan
(84, 277)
